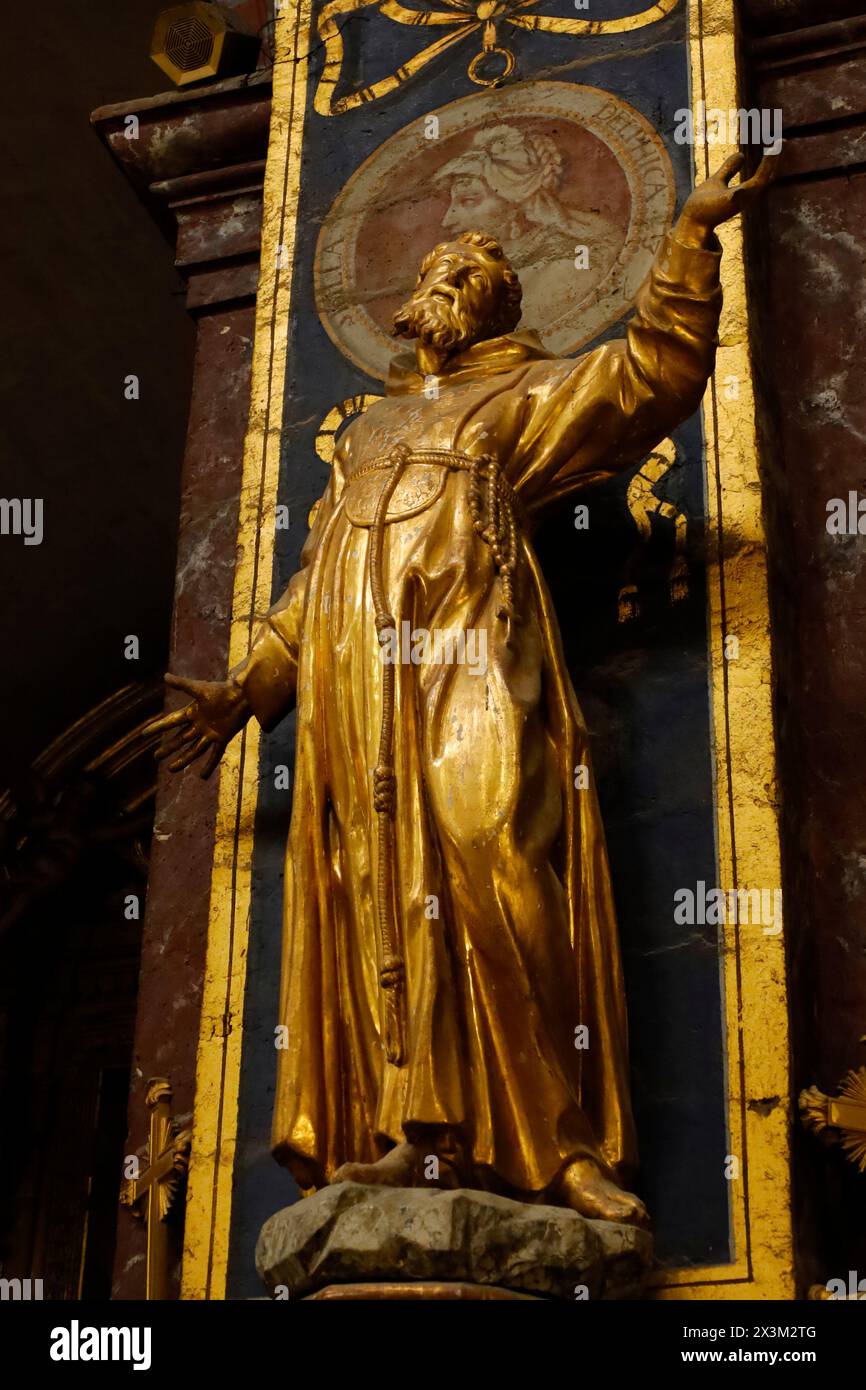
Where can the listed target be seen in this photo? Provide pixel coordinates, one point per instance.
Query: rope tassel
(392, 968)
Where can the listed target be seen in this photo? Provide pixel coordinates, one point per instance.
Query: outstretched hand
(203, 728)
(715, 201)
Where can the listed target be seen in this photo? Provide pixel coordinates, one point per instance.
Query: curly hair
(508, 310)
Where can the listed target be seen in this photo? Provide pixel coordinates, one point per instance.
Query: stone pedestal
(352, 1241)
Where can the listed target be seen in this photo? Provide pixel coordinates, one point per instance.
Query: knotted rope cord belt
(492, 505)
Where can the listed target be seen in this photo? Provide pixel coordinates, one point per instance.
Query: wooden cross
(154, 1193)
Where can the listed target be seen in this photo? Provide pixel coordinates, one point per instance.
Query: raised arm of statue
(612, 406)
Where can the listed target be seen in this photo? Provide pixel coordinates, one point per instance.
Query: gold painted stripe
(753, 964)
(218, 1065)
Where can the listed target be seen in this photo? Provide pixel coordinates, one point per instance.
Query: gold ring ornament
(472, 70)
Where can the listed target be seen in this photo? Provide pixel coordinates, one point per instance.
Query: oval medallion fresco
(574, 182)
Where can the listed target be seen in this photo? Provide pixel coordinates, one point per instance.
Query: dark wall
(89, 295)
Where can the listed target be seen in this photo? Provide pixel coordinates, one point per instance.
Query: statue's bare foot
(399, 1168)
(585, 1189)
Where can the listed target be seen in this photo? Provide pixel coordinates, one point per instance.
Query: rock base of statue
(355, 1241)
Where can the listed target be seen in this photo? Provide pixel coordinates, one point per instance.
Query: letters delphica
(76, 1343)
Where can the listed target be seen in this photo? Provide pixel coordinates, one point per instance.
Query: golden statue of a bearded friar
(449, 929)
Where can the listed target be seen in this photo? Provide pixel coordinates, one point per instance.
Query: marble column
(197, 160)
(807, 256)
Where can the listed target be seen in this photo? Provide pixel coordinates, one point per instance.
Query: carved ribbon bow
(463, 17)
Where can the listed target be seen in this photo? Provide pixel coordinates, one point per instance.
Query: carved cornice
(197, 160)
(818, 41)
(781, 18)
(815, 75)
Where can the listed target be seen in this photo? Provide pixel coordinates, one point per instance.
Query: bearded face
(434, 321)
(455, 301)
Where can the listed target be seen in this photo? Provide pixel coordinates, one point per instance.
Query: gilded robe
(505, 910)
